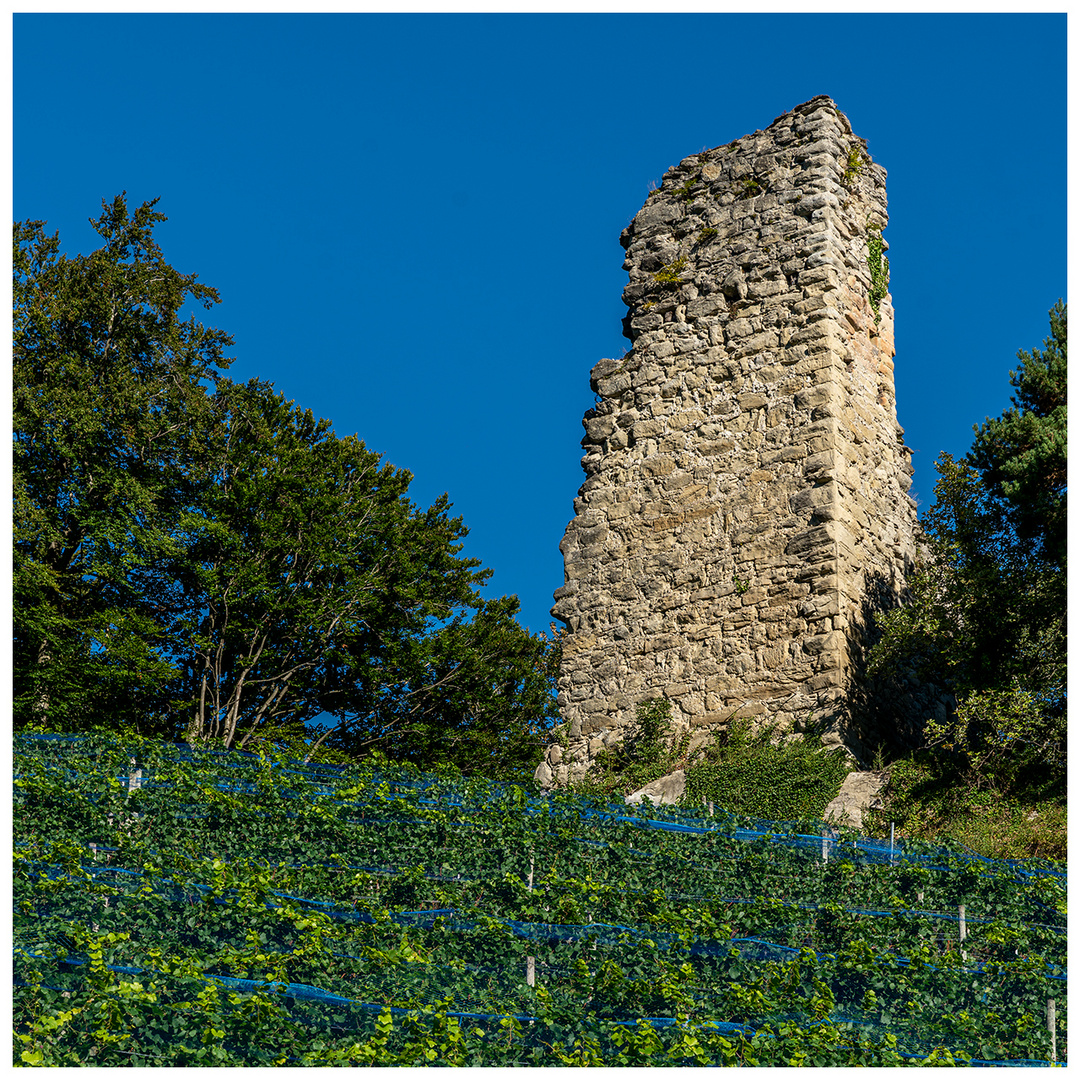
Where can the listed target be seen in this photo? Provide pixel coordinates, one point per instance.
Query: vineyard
(178, 907)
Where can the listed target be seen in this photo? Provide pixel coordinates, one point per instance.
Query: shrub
(747, 773)
(646, 752)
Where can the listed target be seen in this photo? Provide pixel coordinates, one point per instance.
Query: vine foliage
(238, 909)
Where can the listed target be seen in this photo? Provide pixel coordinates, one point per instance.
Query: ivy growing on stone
(751, 774)
(879, 271)
(853, 167)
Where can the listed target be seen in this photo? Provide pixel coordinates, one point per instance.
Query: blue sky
(413, 220)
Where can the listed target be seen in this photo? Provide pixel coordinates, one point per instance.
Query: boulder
(860, 792)
(668, 789)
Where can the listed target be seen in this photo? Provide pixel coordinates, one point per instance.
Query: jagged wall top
(786, 163)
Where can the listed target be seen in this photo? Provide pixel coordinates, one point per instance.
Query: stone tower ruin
(745, 507)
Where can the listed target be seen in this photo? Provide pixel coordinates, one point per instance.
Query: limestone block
(668, 789)
(817, 644)
(861, 791)
(599, 427)
(816, 497)
(643, 429)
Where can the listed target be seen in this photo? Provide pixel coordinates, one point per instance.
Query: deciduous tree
(986, 614)
(202, 558)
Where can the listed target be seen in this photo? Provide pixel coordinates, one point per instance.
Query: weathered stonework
(745, 507)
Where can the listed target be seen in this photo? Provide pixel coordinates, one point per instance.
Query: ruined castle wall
(745, 502)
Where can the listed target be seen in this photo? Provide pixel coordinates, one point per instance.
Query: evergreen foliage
(1022, 454)
(740, 770)
(109, 405)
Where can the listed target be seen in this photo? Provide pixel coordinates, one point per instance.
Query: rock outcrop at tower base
(745, 508)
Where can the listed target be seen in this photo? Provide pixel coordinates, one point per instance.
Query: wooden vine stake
(134, 783)
(1051, 1023)
(530, 961)
(963, 932)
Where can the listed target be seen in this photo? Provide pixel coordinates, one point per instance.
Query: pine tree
(1022, 454)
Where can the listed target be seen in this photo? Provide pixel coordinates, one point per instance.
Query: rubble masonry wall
(745, 505)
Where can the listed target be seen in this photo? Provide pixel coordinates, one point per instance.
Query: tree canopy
(1021, 455)
(200, 558)
(109, 403)
(985, 617)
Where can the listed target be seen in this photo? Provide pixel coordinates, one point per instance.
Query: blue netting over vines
(180, 906)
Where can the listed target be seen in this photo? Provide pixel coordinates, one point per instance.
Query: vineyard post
(530, 961)
(963, 932)
(1051, 1023)
(892, 837)
(134, 783)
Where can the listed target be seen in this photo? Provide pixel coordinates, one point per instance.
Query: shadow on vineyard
(179, 907)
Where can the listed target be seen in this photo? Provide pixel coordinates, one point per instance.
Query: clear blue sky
(414, 220)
